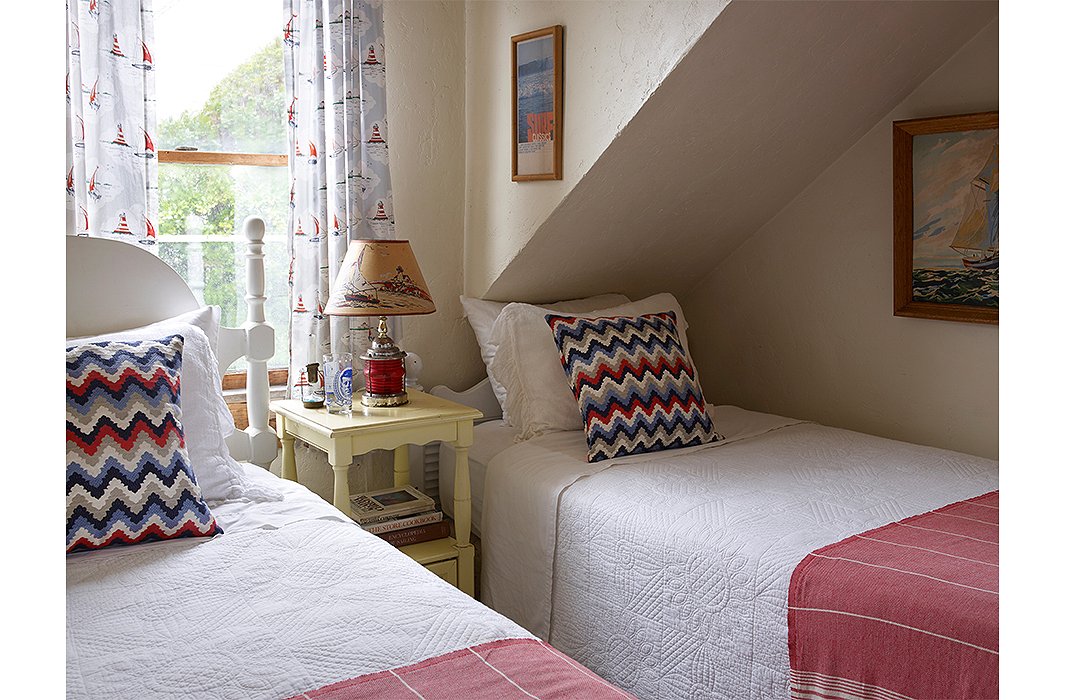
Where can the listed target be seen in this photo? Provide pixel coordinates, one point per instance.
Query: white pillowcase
(527, 365)
(482, 315)
(204, 416)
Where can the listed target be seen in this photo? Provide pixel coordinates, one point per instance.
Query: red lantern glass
(384, 376)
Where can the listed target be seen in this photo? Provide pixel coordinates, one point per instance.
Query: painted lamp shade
(379, 278)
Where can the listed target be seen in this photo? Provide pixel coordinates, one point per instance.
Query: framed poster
(946, 211)
(537, 105)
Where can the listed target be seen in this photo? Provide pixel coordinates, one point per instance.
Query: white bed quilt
(292, 597)
(668, 574)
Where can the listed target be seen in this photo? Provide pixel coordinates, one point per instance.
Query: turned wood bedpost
(263, 440)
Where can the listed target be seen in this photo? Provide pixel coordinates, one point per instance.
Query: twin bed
(691, 572)
(670, 574)
(292, 599)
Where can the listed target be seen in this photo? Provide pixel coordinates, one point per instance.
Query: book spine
(365, 519)
(401, 523)
(414, 535)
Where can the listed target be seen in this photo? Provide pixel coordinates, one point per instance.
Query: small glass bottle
(314, 391)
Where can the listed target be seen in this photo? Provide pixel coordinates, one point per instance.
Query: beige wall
(427, 128)
(798, 320)
(616, 54)
(767, 98)
(449, 148)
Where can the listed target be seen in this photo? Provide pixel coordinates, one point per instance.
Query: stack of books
(400, 516)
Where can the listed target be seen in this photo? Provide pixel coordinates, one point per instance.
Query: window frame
(192, 156)
(234, 382)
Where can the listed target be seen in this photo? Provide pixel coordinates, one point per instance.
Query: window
(222, 148)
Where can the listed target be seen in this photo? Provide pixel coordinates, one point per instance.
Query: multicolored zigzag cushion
(128, 474)
(633, 383)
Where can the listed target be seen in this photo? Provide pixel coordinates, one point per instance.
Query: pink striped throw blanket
(909, 610)
(500, 670)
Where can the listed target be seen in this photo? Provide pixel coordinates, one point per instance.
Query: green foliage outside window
(244, 112)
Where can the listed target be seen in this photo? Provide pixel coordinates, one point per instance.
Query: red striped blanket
(909, 610)
(500, 670)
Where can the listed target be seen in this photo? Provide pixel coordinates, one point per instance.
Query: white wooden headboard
(113, 285)
(479, 396)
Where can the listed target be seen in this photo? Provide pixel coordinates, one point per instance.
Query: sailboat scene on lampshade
(956, 218)
(379, 277)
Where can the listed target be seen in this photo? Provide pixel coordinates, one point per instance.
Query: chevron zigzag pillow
(633, 382)
(128, 474)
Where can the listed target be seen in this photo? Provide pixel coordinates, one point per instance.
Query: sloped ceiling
(769, 96)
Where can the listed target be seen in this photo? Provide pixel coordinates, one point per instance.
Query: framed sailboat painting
(946, 212)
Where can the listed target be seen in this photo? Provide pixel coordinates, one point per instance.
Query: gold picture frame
(537, 105)
(946, 217)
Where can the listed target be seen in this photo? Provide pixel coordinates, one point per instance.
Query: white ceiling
(769, 96)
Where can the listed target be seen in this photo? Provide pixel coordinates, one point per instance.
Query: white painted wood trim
(254, 340)
(113, 285)
(479, 396)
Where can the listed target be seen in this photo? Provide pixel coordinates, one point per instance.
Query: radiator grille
(425, 470)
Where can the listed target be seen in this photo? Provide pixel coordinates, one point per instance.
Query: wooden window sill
(236, 396)
(270, 160)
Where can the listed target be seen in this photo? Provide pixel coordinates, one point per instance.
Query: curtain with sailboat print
(112, 182)
(339, 163)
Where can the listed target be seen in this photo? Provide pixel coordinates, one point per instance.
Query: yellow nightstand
(423, 420)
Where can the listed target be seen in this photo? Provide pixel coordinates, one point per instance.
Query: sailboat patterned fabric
(334, 52)
(112, 182)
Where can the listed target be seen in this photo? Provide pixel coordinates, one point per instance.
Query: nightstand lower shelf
(439, 556)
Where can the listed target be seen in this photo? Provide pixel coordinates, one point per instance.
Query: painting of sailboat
(947, 217)
(977, 238)
(389, 278)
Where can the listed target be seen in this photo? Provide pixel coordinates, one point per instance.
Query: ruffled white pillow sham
(482, 315)
(527, 367)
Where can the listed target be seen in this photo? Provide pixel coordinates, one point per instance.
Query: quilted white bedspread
(292, 597)
(668, 573)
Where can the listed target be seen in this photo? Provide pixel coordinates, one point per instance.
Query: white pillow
(527, 365)
(482, 315)
(204, 416)
(209, 319)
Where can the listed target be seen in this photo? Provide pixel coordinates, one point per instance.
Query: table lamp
(381, 278)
